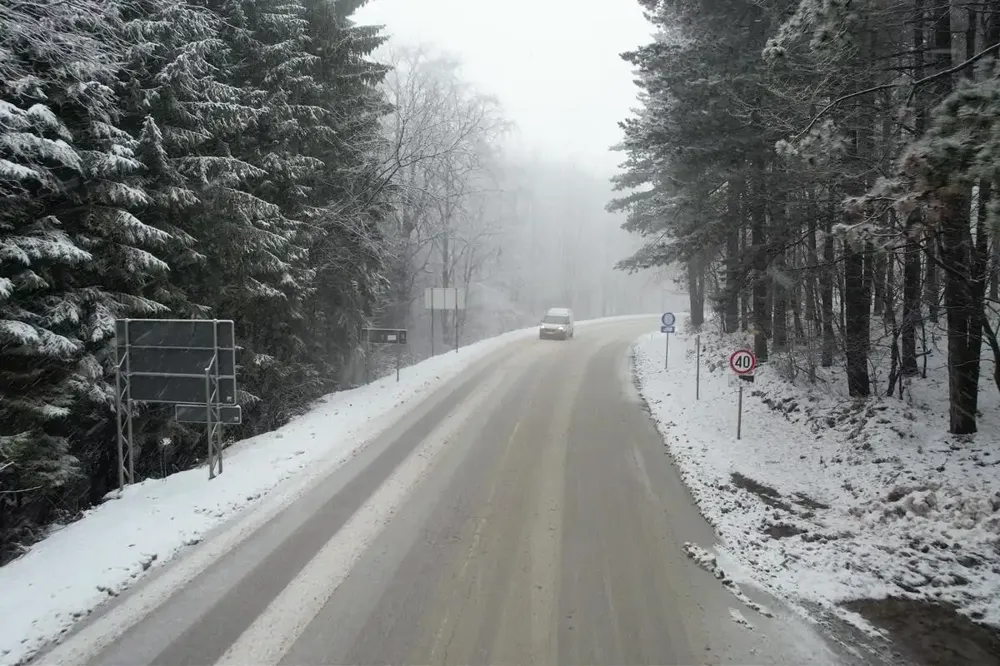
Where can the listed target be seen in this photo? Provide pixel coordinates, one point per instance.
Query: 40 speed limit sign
(743, 362)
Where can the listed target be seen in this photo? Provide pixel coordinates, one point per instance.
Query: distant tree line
(519, 235)
(827, 174)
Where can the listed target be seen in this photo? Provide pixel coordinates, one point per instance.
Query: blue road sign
(667, 329)
(668, 319)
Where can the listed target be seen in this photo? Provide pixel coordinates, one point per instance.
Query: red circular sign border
(753, 357)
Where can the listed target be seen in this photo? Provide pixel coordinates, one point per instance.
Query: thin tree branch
(889, 86)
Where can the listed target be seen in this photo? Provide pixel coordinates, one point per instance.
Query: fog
(553, 64)
(502, 136)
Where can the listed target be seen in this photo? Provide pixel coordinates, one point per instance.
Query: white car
(557, 324)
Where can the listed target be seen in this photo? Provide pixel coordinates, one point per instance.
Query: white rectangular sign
(444, 298)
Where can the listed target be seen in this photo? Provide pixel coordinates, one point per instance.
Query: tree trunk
(779, 325)
(889, 316)
(857, 306)
(732, 306)
(911, 254)
(962, 284)
(918, 233)
(446, 257)
(696, 290)
(798, 294)
(931, 289)
(826, 292)
(780, 292)
(879, 286)
(744, 301)
(995, 280)
(964, 316)
(811, 265)
(911, 302)
(857, 271)
(758, 233)
(993, 265)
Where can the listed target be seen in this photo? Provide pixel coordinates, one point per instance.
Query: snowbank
(829, 500)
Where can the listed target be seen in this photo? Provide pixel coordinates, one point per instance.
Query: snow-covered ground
(827, 500)
(67, 575)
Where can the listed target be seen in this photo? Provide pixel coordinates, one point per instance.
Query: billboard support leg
(126, 450)
(216, 420)
(118, 422)
(217, 425)
(130, 444)
(218, 442)
(208, 422)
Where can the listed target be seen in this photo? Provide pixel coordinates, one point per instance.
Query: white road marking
(105, 631)
(274, 632)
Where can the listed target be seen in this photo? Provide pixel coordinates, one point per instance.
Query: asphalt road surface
(527, 513)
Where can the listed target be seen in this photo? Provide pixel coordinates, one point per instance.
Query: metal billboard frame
(171, 361)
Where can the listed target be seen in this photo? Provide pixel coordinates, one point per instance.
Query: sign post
(667, 321)
(444, 298)
(697, 368)
(742, 362)
(383, 336)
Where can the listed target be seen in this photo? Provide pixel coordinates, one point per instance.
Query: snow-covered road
(518, 508)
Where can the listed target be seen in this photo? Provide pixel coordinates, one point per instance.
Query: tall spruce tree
(73, 255)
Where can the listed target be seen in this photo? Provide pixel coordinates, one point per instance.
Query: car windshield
(556, 319)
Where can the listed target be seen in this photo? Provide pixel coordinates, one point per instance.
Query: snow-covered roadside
(825, 500)
(67, 575)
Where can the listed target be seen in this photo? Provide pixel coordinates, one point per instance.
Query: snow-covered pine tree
(258, 272)
(177, 101)
(348, 198)
(72, 254)
(179, 106)
(695, 132)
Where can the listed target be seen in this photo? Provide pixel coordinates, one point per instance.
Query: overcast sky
(553, 64)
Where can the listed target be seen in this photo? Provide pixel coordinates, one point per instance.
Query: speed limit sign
(743, 362)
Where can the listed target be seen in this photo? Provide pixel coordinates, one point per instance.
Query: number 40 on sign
(743, 362)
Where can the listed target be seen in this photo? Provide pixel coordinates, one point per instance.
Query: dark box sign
(384, 336)
(150, 388)
(227, 414)
(145, 360)
(189, 334)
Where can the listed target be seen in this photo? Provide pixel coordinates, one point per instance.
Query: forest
(273, 163)
(826, 172)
